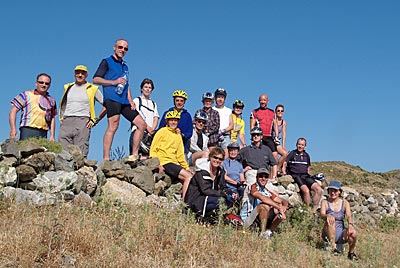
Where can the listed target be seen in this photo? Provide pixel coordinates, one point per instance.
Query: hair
(43, 74)
(216, 151)
(279, 105)
(301, 139)
(147, 81)
(120, 39)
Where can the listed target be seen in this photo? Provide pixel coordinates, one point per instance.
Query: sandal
(352, 256)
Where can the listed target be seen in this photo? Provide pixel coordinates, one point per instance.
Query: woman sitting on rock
(334, 209)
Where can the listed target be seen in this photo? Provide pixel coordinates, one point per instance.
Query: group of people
(213, 141)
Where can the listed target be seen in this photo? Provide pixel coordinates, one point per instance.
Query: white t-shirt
(78, 101)
(224, 116)
(148, 110)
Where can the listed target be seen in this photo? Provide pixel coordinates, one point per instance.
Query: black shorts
(303, 179)
(172, 169)
(116, 108)
(269, 141)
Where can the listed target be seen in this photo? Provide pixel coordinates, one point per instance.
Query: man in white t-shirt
(77, 111)
(225, 118)
(147, 108)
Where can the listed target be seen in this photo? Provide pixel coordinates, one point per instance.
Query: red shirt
(265, 118)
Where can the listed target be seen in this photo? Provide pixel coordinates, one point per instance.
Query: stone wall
(30, 174)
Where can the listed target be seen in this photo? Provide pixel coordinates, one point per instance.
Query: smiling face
(208, 103)
(233, 152)
(263, 100)
(220, 100)
(216, 160)
(301, 145)
(199, 124)
(262, 179)
(146, 90)
(256, 139)
(334, 193)
(120, 48)
(43, 84)
(172, 122)
(179, 103)
(80, 77)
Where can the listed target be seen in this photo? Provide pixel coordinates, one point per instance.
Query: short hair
(43, 74)
(301, 139)
(147, 81)
(216, 151)
(279, 105)
(120, 39)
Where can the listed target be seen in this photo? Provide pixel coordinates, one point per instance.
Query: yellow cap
(81, 68)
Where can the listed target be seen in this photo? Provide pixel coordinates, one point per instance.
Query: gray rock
(87, 181)
(141, 177)
(90, 163)
(174, 189)
(77, 156)
(123, 192)
(55, 181)
(152, 164)
(112, 168)
(8, 175)
(285, 180)
(65, 195)
(29, 148)
(101, 180)
(295, 199)
(160, 187)
(9, 161)
(83, 200)
(371, 200)
(41, 162)
(25, 173)
(64, 161)
(10, 148)
(21, 196)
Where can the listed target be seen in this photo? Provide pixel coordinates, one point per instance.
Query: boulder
(29, 148)
(141, 177)
(8, 176)
(9, 161)
(25, 173)
(10, 148)
(152, 164)
(35, 198)
(123, 192)
(83, 200)
(77, 156)
(41, 162)
(55, 181)
(87, 180)
(64, 161)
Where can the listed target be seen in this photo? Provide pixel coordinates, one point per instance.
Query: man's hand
(14, 134)
(120, 80)
(92, 122)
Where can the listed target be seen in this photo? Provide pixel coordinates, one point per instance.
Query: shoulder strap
(141, 105)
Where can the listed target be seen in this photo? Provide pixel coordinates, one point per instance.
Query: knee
(140, 123)
(113, 126)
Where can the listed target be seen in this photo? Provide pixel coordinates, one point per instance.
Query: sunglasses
(218, 158)
(201, 122)
(263, 176)
(122, 47)
(43, 82)
(279, 111)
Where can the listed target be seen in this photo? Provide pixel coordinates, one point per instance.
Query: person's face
(256, 138)
(208, 103)
(263, 100)
(199, 124)
(301, 145)
(238, 110)
(80, 77)
(172, 123)
(43, 84)
(233, 152)
(220, 100)
(333, 193)
(216, 160)
(262, 179)
(179, 103)
(120, 48)
(146, 90)
(279, 112)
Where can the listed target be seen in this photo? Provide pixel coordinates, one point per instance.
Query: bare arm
(12, 120)
(230, 126)
(52, 129)
(242, 140)
(284, 133)
(104, 82)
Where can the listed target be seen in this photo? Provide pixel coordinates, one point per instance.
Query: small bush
(51, 146)
(388, 224)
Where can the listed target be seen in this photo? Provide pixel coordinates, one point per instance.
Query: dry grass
(112, 235)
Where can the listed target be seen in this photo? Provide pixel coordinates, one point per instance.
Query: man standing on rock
(77, 113)
(38, 110)
(112, 74)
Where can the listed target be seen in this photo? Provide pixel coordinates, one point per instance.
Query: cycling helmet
(220, 91)
(173, 115)
(256, 130)
(180, 93)
(233, 145)
(207, 95)
(238, 104)
(200, 115)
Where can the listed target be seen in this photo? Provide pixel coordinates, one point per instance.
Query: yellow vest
(90, 91)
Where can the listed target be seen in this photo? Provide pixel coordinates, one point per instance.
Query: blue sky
(333, 64)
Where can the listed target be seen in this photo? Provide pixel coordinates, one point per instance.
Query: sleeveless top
(338, 215)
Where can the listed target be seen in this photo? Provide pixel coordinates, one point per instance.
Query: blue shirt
(233, 169)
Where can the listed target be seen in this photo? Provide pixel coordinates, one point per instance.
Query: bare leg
(317, 195)
(306, 194)
(197, 155)
(352, 239)
(283, 152)
(185, 176)
(330, 230)
(263, 213)
(138, 135)
(112, 127)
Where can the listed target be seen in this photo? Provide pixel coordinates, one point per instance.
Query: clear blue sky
(334, 64)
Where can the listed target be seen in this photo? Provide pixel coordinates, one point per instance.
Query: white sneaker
(267, 234)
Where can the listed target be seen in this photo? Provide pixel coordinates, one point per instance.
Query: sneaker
(352, 256)
(132, 158)
(267, 234)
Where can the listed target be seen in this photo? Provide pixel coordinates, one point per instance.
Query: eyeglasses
(122, 47)
(43, 82)
(263, 176)
(279, 111)
(218, 158)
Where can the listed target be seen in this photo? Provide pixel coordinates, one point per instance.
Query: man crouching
(264, 205)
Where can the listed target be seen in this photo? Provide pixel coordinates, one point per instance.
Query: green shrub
(51, 146)
(387, 224)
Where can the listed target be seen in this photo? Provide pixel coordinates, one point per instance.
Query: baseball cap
(335, 185)
(80, 68)
(262, 171)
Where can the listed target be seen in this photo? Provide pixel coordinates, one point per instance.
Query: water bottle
(120, 87)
